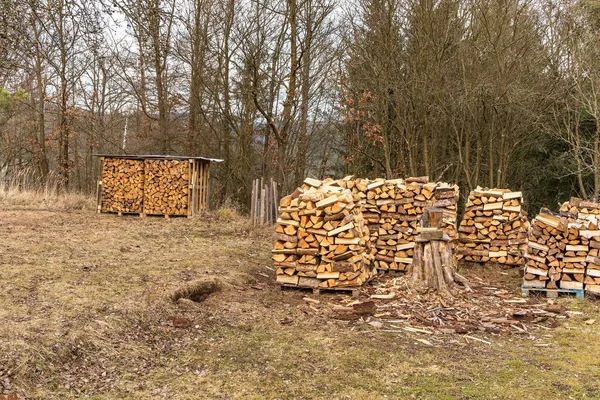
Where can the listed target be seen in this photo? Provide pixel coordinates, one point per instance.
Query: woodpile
(494, 227)
(587, 213)
(153, 184)
(556, 252)
(166, 188)
(592, 271)
(123, 189)
(582, 210)
(321, 239)
(393, 209)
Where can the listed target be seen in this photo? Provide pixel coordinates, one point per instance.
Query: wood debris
(486, 311)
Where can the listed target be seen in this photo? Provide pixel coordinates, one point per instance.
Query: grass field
(85, 312)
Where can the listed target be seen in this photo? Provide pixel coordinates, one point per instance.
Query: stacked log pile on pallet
(321, 239)
(494, 227)
(393, 208)
(166, 188)
(123, 189)
(587, 213)
(592, 271)
(555, 253)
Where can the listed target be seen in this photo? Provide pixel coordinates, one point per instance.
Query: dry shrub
(229, 211)
(227, 215)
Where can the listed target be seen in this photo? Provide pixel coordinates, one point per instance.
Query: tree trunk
(302, 153)
(434, 263)
(161, 89)
(433, 267)
(40, 112)
(63, 124)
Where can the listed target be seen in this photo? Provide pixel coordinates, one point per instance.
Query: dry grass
(23, 192)
(85, 311)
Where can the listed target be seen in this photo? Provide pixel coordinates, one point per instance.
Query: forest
(497, 93)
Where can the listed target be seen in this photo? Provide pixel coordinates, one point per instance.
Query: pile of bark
(321, 239)
(393, 209)
(166, 189)
(494, 227)
(123, 189)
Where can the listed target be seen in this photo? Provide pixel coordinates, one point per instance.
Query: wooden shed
(153, 184)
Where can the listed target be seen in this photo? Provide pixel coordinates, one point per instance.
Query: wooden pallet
(354, 291)
(142, 215)
(553, 293)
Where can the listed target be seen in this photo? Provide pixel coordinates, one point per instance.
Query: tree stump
(434, 262)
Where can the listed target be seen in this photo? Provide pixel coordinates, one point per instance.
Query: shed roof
(157, 157)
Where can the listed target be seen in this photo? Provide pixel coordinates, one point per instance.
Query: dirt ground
(85, 312)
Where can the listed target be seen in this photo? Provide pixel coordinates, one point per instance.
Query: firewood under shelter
(153, 184)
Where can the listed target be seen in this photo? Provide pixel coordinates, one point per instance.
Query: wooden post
(190, 208)
(207, 184)
(201, 185)
(272, 211)
(195, 185)
(267, 213)
(262, 201)
(275, 200)
(253, 203)
(99, 186)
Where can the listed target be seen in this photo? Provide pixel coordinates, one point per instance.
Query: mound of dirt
(197, 291)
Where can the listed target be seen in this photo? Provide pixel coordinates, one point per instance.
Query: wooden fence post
(264, 201)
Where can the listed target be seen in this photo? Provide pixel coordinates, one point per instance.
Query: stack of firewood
(167, 187)
(592, 272)
(546, 250)
(321, 239)
(587, 214)
(393, 209)
(445, 197)
(494, 227)
(123, 185)
(576, 250)
(582, 210)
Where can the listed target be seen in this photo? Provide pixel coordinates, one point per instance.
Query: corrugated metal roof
(156, 156)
